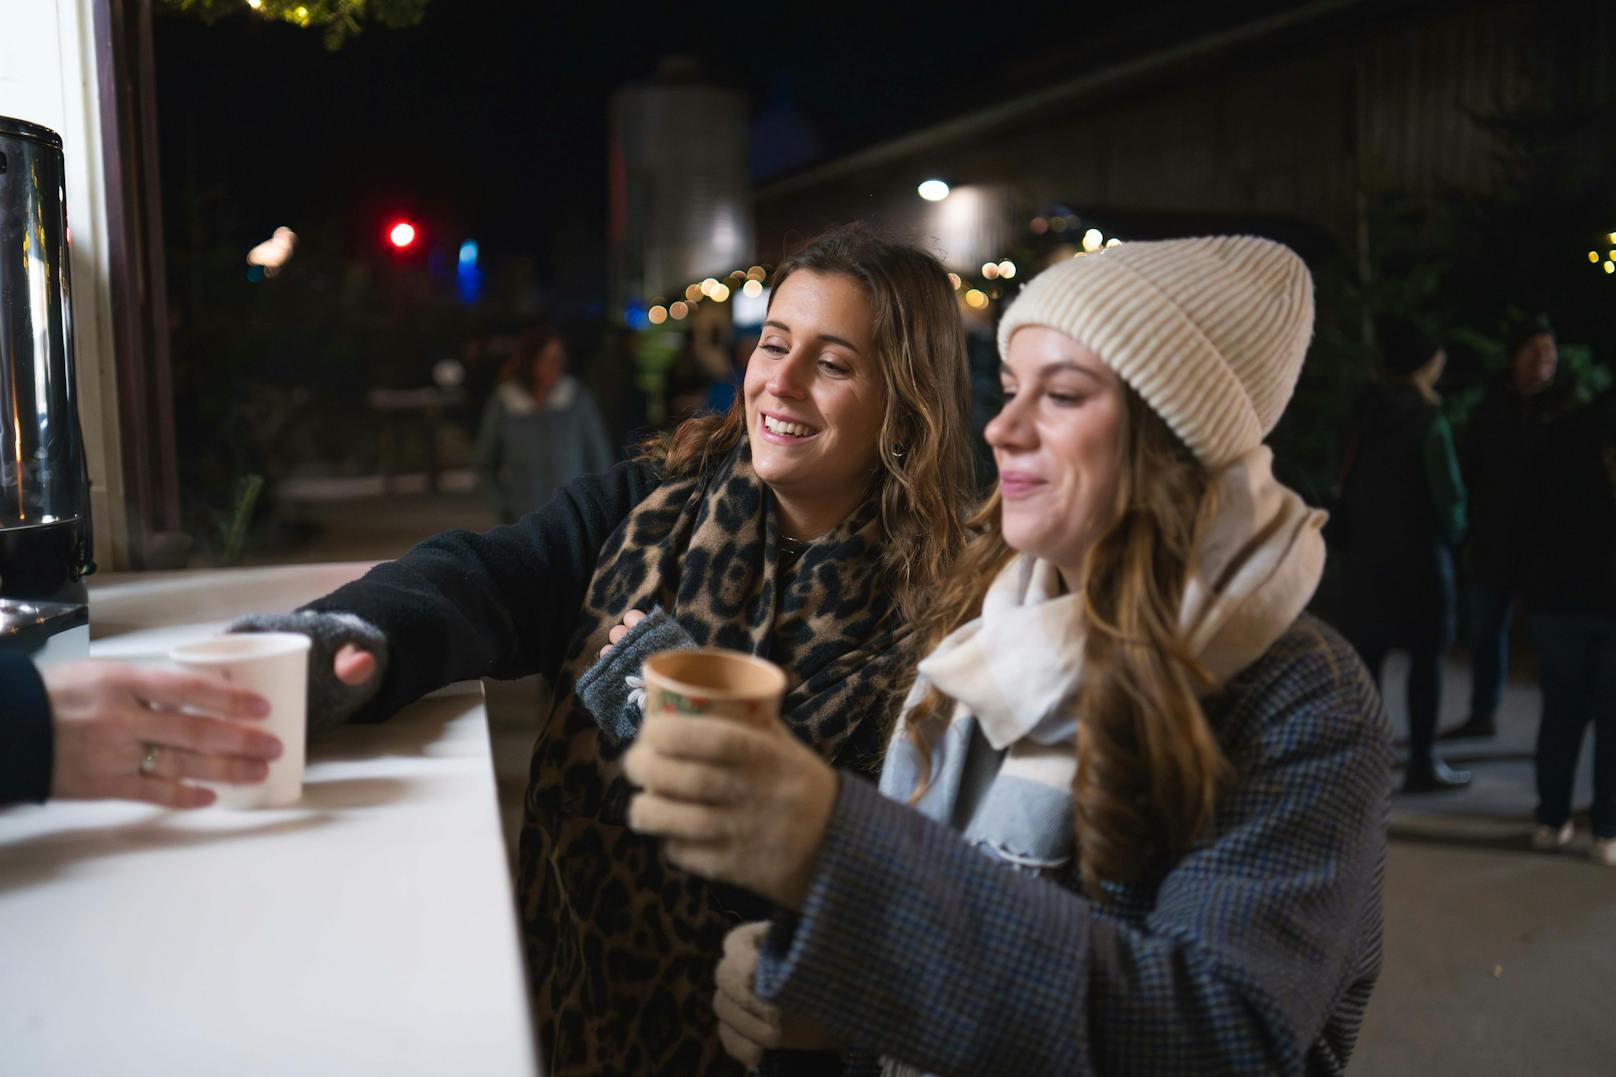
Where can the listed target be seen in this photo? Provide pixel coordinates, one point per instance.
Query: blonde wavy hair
(924, 450)
(1149, 769)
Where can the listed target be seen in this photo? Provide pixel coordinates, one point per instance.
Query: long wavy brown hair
(1148, 767)
(924, 451)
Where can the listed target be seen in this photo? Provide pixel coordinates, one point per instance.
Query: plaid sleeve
(1263, 942)
(914, 944)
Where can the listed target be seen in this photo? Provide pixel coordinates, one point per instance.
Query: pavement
(1498, 960)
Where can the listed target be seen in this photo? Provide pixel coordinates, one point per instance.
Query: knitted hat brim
(1131, 324)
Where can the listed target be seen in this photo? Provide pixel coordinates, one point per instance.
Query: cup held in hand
(276, 666)
(714, 681)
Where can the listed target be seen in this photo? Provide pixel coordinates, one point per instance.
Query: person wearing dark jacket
(1569, 593)
(806, 524)
(540, 429)
(1499, 475)
(103, 730)
(1404, 509)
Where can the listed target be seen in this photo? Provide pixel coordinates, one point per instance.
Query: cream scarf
(1002, 770)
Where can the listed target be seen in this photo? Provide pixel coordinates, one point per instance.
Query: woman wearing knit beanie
(1132, 818)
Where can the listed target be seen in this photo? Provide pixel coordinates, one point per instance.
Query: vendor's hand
(353, 665)
(107, 720)
(748, 1026)
(744, 803)
(630, 619)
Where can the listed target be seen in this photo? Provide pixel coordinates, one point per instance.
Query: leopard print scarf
(621, 945)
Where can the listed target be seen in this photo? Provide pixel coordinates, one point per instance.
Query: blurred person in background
(1403, 508)
(1499, 475)
(987, 396)
(722, 392)
(540, 429)
(615, 379)
(1568, 591)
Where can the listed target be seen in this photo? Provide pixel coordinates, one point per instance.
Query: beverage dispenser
(45, 539)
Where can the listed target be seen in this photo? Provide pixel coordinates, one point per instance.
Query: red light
(401, 235)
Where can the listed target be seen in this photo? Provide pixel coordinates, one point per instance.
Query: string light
(719, 294)
(1007, 269)
(954, 279)
(1113, 242)
(976, 299)
(709, 287)
(657, 314)
(756, 273)
(990, 270)
(752, 289)
(1093, 240)
(678, 311)
(1610, 267)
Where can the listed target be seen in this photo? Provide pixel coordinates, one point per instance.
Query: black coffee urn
(45, 538)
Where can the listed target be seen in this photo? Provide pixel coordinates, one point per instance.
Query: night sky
(491, 116)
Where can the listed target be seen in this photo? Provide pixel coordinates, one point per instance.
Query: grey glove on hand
(330, 701)
(616, 701)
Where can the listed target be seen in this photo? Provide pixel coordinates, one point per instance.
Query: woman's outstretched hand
(743, 803)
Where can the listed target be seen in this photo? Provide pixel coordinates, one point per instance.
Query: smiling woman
(814, 400)
(807, 525)
(852, 389)
(1056, 441)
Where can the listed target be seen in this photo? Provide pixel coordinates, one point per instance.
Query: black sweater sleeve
(501, 604)
(26, 746)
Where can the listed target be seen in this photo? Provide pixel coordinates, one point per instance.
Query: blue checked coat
(1255, 954)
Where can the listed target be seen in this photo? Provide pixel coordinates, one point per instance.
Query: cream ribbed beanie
(1210, 331)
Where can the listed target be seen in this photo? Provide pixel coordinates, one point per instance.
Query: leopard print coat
(622, 945)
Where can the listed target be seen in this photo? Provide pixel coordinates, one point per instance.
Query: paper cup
(713, 681)
(276, 666)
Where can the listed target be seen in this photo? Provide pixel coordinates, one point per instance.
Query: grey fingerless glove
(612, 688)
(330, 701)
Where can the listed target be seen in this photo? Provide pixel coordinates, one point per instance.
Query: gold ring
(148, 762)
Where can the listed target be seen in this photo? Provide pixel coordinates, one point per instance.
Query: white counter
(369, 930)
